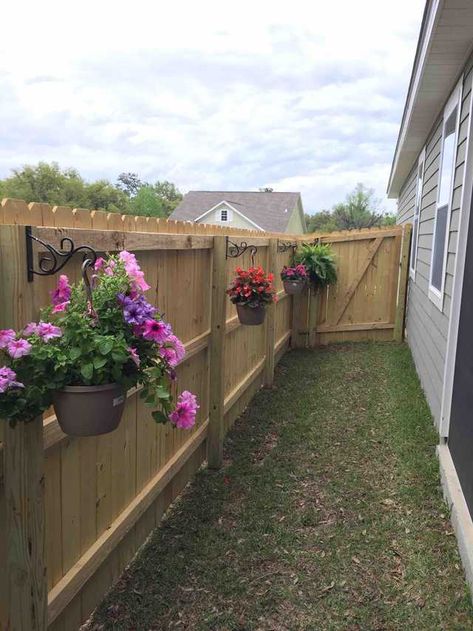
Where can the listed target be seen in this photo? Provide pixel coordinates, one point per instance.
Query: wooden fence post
(270, 319)
(300, 320)
(403, 279)
(25, 571)
(313, 315)
(217, 353)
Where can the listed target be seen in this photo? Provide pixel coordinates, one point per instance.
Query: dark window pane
(414, 244)
(439, 247)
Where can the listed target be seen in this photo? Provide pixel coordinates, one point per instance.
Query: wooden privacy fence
(73, 511)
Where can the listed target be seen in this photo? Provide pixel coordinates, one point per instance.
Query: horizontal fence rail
(94, 500)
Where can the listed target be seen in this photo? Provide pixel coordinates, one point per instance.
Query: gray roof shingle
(270, 211)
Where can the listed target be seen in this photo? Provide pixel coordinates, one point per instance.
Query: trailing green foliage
(319, 261)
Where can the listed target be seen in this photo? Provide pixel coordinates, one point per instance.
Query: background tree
(46, 183)
(169, 195)
(147, 202)
(65, 187)
(129, 183)
(359, 210)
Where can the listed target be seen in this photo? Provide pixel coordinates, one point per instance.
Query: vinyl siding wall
(427, 326)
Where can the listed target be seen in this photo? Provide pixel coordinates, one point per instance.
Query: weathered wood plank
(403, 277)
(23, 464)
(270, 318)
(110, 241)
(217, 354)
(72, 582)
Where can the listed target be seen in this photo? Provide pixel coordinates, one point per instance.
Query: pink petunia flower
(18, 348)
(6, 336)
(173, 351)
(62, 293)
(186, 409)
(8, 379)
(48, 331)
(30, 329)
(156, 331)
(110, 267)
(62, 306)
(99, 263)
(134, 356)
(133, 270)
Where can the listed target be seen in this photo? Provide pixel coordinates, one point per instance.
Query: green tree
(65, 187)
(129, 183)
(147, 202)
(169, 195)
(359, 210)
(103, 195)
(46, 183)
(322, 221)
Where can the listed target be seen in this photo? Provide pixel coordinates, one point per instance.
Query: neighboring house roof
(269, 211)
(445, 42)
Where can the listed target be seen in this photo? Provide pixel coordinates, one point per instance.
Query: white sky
(299, 95)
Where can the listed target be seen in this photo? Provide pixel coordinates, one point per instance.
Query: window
(417, 208)
(224, 214)
(444, 198)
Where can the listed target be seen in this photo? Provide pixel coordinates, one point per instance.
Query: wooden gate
(368, 300)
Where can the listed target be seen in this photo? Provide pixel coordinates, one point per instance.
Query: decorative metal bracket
(284, 246)
(234, 250)
(55, 259)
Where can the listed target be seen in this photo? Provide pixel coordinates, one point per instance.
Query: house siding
(426, 325)
(237, 221)
(295, 224)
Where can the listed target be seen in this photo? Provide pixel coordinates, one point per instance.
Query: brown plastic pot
(293, 287)
(89, 410)
(251, 316)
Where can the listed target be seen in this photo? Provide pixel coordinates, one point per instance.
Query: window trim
(224, 210)
(417, 213)
(455, 100)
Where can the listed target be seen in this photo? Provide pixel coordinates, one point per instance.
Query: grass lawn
(327, 514)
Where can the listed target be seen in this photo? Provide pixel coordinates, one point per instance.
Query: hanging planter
(251, 316)
(251, 291)
(89, 410)
(294, 279)
(91, 347)
(319, 261)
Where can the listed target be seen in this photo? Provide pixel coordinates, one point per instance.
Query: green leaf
(74, 353)
(159, 416)
(87, 370)
(162, 393)
(99, 362)
(105, 346)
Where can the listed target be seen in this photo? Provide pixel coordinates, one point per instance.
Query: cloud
(303, 96)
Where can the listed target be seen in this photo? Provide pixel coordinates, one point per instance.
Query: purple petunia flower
(136, 310)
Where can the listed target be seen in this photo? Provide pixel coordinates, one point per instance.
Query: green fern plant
(319, 260)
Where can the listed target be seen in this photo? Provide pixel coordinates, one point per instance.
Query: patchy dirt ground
(326, 517)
